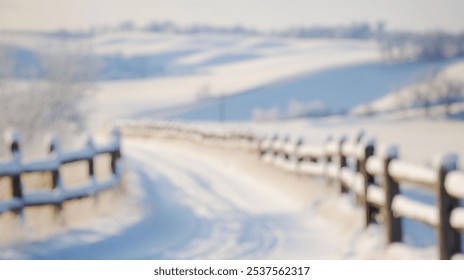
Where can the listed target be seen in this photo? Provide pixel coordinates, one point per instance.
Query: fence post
(90, 161)
(342, 164)
(13, 139)
(449, 239)
(327, 158)
(369, 211)
(391, 188)
(261, 151)
(359, 138)
(282, 153)
(296, 155)
(296, 152)
(55, 151)
(116, 153)
(357, 162)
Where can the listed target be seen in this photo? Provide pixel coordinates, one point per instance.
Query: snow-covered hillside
(195, 70)
(234, 77)
(195, 77)
(407, 100)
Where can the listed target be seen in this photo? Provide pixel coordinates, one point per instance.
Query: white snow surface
(454, 184)
(376, 195)
(375, 165)
(311, 168)
(354, 180)
(457, 218)
(405, 207)
(405, 171)
(311, 150)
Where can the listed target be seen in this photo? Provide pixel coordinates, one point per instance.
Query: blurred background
(295, 68)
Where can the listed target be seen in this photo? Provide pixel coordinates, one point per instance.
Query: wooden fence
(355, 165)
(57, 193)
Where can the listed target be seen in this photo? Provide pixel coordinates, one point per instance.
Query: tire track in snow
(239, 220)
(232, 232)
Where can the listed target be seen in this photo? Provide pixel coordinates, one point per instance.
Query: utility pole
(222, 107)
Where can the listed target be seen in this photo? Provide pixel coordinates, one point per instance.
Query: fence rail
(58, 194)
(356, 166)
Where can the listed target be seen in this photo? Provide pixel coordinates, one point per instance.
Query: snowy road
(185, 200)
(197, 205)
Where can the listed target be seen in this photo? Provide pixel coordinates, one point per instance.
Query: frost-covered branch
(56, 100)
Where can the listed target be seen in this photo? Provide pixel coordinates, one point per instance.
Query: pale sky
(416, 15)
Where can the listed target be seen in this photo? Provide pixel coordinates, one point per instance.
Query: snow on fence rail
(355, 166)
(58, 194)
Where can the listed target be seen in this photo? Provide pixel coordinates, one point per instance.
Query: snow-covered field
(203, 202)
(183, 76)
(195, 69)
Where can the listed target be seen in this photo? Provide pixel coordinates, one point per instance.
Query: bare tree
(438, 89)
(426, 92)
(423, 97)
(53, 102)
(451, 92)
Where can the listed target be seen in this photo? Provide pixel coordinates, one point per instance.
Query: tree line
(407, 46)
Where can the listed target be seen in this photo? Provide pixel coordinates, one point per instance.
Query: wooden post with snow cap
(357, 161)
(449, 239)
(391, 188)
(282, 152)
(369, 211)
(55, 151)
(342, 164)
(296, 152)
(116, 154)
(359, 138)
(274, 140)
(261, 150)
(90, 160)
(13, 139)
(328, 156)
